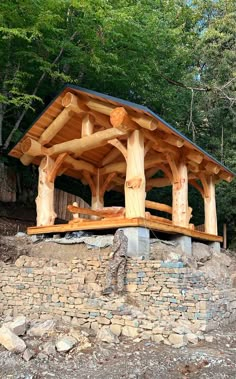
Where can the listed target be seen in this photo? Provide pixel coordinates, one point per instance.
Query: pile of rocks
(40, 338)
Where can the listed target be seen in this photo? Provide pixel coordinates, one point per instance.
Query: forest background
(176, 57)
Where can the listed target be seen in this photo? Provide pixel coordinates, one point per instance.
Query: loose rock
(11, 341)
(41, 328)
(105, 334)
(65, 343)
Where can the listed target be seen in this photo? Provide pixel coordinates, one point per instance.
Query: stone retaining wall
(164, 301)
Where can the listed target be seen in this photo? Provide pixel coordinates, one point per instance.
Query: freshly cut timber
(114, 145)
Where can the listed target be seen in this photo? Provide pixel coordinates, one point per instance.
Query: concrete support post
(138, 241)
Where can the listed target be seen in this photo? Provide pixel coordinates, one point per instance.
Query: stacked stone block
(163, 301)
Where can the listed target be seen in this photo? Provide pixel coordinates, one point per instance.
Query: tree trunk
(45, 199)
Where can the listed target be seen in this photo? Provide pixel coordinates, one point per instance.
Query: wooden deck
(124, 222)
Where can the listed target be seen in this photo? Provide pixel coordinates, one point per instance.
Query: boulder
(105, 334)
(11, 341)
(41, 328)
(18, 325)
(65, 343)
(177, 340)
(214, 269)
(201, 252)
(224, 259)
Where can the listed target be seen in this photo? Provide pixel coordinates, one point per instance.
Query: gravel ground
(143, 360)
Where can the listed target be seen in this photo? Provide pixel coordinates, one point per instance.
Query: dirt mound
(11, 248)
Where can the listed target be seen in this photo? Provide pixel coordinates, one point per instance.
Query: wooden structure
(109, 144)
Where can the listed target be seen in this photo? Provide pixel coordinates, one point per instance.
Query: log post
(135, 176)
(97, 201)
(180, 212)
(210, 206)
(45, 198)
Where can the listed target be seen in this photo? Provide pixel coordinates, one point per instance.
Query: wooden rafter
(110, 157)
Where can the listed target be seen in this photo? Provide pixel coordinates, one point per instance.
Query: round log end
(117, 116)
(68, 99)
(25, 145)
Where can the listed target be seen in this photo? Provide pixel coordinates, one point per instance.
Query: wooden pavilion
(110, 143)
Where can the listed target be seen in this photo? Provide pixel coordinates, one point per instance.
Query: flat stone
(116, 329)
(105, 334)
(103, 320)
(65, 343)
(157, 338)
(41, 328)
(130, 331)
(28, 354)
(18, 325)
(11, 341)
(181, 329)
(192, 338)
(177, 340)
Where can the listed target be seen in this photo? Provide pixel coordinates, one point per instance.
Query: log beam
(158, 206)
(71, 105)
(226, 176)
(79, 145)
(135, 176)
(79, 165)
(110, 157)
(158, 182)
(212, 168)
(45, 199)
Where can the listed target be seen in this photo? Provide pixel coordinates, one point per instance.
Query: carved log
(210, 206)
(45, 198)
(180, 215)
(135, 176)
